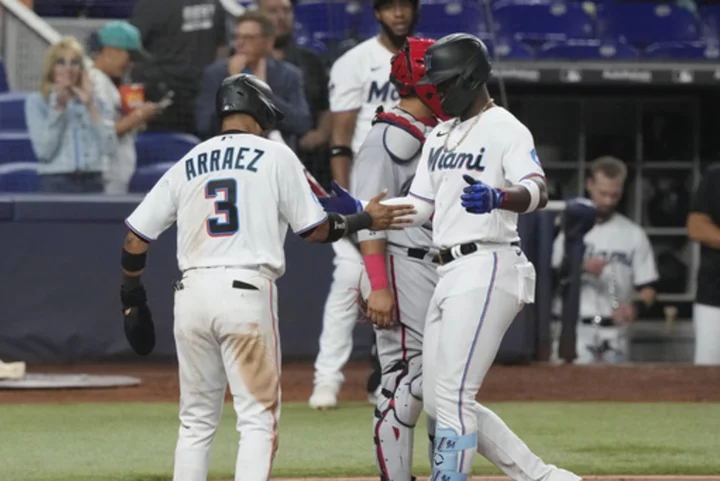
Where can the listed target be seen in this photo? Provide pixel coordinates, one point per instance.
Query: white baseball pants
(226, 331)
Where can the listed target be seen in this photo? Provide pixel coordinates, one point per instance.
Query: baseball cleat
(324, 396)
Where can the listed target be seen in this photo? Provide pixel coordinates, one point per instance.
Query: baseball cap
(124, 36)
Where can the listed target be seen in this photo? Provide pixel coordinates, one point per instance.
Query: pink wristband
(376, 271)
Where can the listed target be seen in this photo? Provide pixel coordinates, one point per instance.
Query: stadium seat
(659, 22)
(4, 87)
(440, 19)
(540, 20)
(12, 111)
(146, 177)
(121, 9)
(587, 50)
(509, 49)
(62, 8)
(710, 18)
(682, 51)
(19, 177)
(324, 20)
(16, 147)
(157, 147)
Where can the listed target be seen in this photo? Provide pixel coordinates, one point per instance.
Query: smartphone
(167, 100)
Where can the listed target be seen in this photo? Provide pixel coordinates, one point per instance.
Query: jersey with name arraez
(495, 148)
(232, 197)
(360, 80)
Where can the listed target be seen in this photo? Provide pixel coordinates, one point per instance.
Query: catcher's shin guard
(397, 411)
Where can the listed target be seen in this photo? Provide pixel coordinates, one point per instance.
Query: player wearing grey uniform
(401, 275)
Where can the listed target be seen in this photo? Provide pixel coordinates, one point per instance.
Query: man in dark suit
(254, 40)
(313, 146)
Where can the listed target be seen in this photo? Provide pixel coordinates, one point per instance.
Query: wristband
(534, 191)
(376, 271)
(341, 151)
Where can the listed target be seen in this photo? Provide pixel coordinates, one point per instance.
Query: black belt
(604, 322)
(421, 254)
(446, 256)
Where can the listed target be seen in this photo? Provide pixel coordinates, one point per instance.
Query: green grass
(135, 442)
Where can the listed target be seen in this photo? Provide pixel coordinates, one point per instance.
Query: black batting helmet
(377, 4)
(461, 63)
(247, 94)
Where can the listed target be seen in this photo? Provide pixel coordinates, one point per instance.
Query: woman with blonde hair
(70, 132)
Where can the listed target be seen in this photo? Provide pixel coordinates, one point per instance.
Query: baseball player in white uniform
(401, 275)
(233, 198)
(359, 84)
(619, 263)
(484, 277)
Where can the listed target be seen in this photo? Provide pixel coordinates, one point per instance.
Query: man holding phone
(120, 46)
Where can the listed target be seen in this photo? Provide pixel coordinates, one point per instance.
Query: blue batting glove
(341, 202)
(480, 198)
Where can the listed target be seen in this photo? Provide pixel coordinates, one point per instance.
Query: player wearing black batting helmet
(247, 94)
(459, 65)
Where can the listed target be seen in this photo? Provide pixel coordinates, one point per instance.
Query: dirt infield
(632, 383)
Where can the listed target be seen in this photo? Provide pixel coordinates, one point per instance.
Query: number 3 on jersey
(226, 206)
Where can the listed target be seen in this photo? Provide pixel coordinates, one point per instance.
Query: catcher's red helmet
(408, 67)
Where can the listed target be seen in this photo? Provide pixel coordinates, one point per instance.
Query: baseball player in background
(359, 83)
(619, 263)
(401, 274)
(233, 198)
(703, 225)
(486, 158)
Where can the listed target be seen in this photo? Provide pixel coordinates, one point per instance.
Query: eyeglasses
(249, 38)
(72, 63)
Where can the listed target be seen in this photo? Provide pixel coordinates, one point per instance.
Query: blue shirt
(68, 140)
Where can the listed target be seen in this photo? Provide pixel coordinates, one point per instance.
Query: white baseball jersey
(631, 263)
(496, 149)
(233, 197)
(360, 80)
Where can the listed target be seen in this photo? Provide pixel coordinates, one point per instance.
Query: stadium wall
(60, 280)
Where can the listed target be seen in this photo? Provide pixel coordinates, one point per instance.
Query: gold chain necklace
(490, 103)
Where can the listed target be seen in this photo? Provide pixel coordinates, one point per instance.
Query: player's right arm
(152, 217)
(700, 225)
(302, 210)
(345, 91)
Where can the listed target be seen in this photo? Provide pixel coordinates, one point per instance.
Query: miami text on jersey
(379, 94)
(625, 258)
(228, 159)
(440, 159)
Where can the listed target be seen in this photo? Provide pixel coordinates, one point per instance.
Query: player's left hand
(340, 202)
(479, 197)
(381, 308)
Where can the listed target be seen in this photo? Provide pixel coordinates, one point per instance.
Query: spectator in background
(313, 151)
(70, 131)
(619, 262)
(703, 226)
(254, 40)
(183, 37)
(120, 45)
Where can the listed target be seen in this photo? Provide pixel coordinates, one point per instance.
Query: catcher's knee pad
(448, 446)
(402, 391)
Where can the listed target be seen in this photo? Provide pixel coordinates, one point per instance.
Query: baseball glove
(137, 318)
(139, 329)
